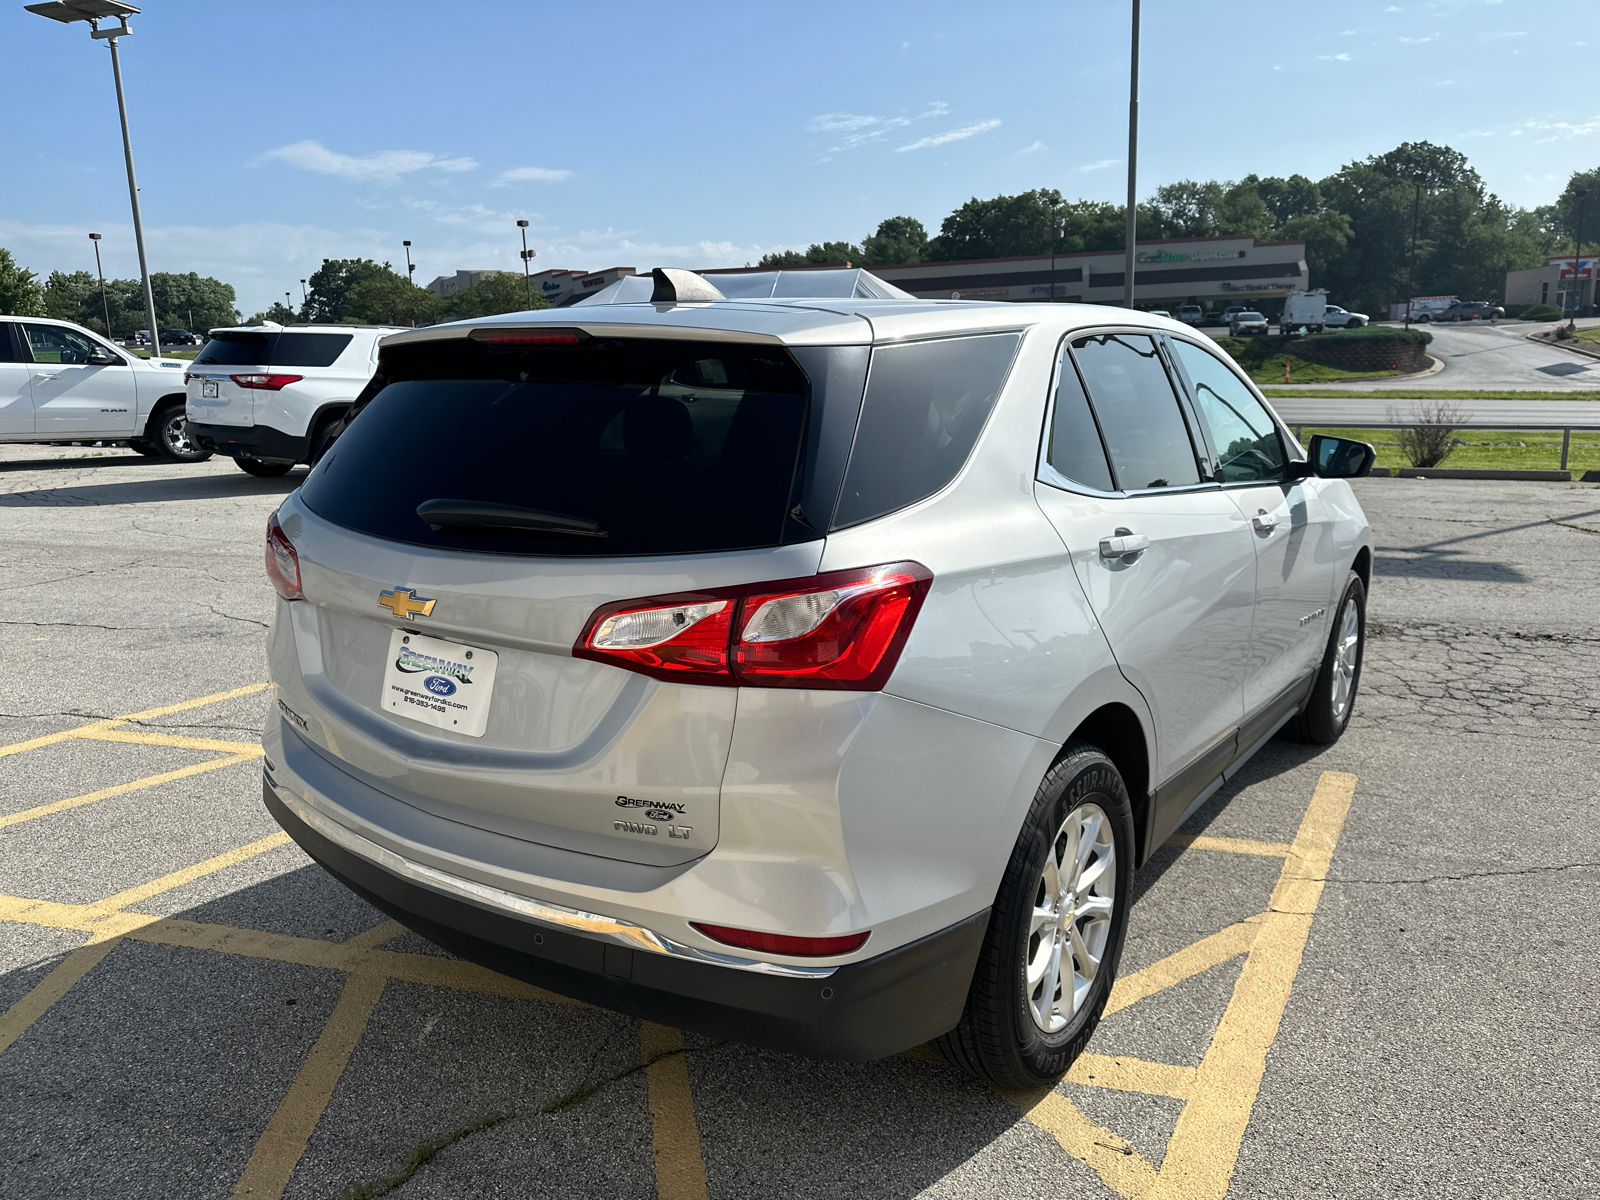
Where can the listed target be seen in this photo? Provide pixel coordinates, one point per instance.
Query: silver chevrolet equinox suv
(808, 672)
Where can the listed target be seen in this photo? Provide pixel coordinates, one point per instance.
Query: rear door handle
(1264, 521)
(1123, 544)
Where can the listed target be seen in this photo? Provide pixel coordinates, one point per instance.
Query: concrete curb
(1477, 473)
(1568, 345)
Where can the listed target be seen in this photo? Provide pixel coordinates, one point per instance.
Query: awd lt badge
(403, 602)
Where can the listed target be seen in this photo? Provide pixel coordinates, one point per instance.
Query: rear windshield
(287, 349)
(665, 446)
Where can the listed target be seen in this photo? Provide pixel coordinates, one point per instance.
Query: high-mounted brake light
(266, 383)
(843, 630)
(783, 943)
(528, 337)
(283, 564)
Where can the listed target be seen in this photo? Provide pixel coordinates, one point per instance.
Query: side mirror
(99, 356)
(1338, 458)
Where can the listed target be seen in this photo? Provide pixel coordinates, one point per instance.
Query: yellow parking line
(282, 1144)
(1205, 1141)
(139, 737)
(121, 789)
(680, 1169)
(1184, 964)
(1113, 1158)
(371, 939)
(177, 879)
(148, 714)
(38, 999)
(1230, 845)
(1123, 1074)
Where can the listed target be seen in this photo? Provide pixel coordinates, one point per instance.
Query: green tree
(279, 314)
(389, 301)
(503, 292)
(74, 296)
(20, 293)
(1325, 234)
(192, 301)
(816, 254)
(898, 240)
(331, 283)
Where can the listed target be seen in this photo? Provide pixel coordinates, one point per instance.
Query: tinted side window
(9, 351)
(1245, 436)
(1139, 415)
(925, 405)
(1075, 449)
(308, 349)
(237, 350)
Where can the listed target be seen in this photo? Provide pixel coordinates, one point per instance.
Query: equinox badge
(403, 602)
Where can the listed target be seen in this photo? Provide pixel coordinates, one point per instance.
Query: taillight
(843, 630)
(528, 337)
(265, 383)
(782, 943)
(283, 564)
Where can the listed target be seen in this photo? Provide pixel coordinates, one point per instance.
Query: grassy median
(1494, 449)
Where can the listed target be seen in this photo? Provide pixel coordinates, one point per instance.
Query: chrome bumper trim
(591, 925)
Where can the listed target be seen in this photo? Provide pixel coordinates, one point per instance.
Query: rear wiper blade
(484, 514)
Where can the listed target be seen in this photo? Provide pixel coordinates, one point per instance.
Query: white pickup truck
(60, 382)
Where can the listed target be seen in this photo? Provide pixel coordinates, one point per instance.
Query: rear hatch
(237, 366)
(434, 660)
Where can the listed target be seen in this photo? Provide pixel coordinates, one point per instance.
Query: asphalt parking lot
(1367, 970)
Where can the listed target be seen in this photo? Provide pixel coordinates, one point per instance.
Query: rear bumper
(252, 441)
(863, 1010)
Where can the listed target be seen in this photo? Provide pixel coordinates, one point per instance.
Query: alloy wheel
(175, 435)
(1070, 926)
(1346, 658)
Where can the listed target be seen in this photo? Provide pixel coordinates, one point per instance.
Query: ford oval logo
(656, 814)
(439, 685)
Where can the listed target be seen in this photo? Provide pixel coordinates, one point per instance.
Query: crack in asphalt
(230, 617)
(1544, 870)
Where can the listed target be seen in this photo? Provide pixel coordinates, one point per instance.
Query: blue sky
(272, 136)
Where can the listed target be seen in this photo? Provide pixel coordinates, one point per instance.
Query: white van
(270, 396)
(1308, 309)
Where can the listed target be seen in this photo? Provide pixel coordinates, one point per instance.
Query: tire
(145, 448)
(1012, 1033)
(1424, 319)
(261, 468)
(169, 435)
(1326, 714)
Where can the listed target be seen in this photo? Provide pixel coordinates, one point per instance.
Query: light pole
(95, 11)
(527, 277)
(1577, 258)
(105, 304)
(1411, 258)
(410, 268)
(1133, 163)
(305, 296)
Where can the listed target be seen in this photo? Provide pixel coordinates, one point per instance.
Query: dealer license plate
(439, 683)
(208, 389)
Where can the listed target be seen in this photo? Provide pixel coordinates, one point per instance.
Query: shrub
(1428, 440)
(1536, 312)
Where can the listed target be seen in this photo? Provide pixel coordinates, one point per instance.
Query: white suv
(270, 396)
(813, 673)
(59, 382)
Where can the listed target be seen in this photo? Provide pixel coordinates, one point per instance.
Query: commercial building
(1566, 282)
(1215, 271)
(558, 285)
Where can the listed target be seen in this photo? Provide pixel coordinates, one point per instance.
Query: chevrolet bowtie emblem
(403, 602)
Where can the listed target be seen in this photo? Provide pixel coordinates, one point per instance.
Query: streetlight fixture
(1133, 163)
(410, 267)
(1577, 259)
(305, 296)
(95, 11)
(105, 304)
(527, 277)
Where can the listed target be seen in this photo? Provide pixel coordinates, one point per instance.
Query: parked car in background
(1232, 311)
(1247, 324)
(181, 337)
(1212, 319)
(1341, 318)
(1191, 314)
(1306, 310)
(1471, 310)
(60, 382)
(1422, 309)
(270, 396)
(897, 694)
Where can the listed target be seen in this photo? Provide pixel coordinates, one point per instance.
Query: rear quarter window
(287, 349)
(925, 405)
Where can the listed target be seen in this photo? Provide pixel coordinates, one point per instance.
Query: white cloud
(1099, 164)
(1558, 131)
(1500, 35)
(860, 129)
(950, 135)
(525, 174)
(1334, 57)
(384, 166)
(1033, 149)
(1417, 41)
